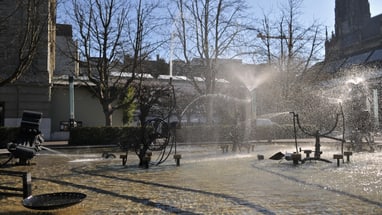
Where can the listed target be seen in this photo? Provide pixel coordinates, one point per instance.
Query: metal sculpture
(29, 139)
(317, 134)
(159, 134)
(156, 137)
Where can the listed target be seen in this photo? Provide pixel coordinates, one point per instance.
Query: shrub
(7, 134)
(103, 135)
(128, 137)
(203, 133)
(93, 135)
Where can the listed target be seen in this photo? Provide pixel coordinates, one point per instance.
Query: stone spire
(351, 15)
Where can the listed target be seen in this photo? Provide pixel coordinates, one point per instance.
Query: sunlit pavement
(207, 182)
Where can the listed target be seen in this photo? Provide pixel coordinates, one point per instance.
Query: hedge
(7, 134)
(103, 135)
(131, 135)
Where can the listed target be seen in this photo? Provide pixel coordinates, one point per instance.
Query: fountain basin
(53, 201)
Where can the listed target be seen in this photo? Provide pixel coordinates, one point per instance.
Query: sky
(321, 10)
(312, 10)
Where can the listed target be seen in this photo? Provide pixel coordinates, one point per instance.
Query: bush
(103, 135)
(222, 133)
(7, 134)
(204, 133)
(128, 137)
(93, 135)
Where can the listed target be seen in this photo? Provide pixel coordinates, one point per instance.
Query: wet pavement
(206, 182)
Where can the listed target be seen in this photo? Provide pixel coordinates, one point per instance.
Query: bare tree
(302, 42)
(114, 38)
(290, 45)
(208, 30)
(23, 24)
(152, 99)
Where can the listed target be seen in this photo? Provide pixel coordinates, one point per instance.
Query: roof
(79, 80)
(366, 58)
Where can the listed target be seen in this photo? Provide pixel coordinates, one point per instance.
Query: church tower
(350, 16)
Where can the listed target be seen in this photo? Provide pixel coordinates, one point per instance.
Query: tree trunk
(143, 158)
(143, 161)
(108, 111)
(210, 110)
(108, 119)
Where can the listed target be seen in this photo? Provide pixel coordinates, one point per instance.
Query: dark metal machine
(29, 139)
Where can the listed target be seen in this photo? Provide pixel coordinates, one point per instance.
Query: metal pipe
(295, 130)
(343, 129)
(71, 99)
(375, 109)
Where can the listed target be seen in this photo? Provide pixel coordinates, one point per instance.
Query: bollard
(307, 153)
(348, 154)
(338, 157)
(177, 158)
(296, 157)
(260, 157)
(27, 185)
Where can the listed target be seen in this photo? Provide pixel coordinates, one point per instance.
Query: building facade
(33, 90)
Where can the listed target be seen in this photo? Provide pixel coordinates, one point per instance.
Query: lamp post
(71, 103)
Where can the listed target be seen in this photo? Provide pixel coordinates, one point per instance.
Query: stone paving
(206, 182)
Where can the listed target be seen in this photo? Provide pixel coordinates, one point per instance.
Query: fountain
(317, 135)
(157, 136)
(359, 104)
(208, 182)
(359, 117)
(25, 147)
(29, 139)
